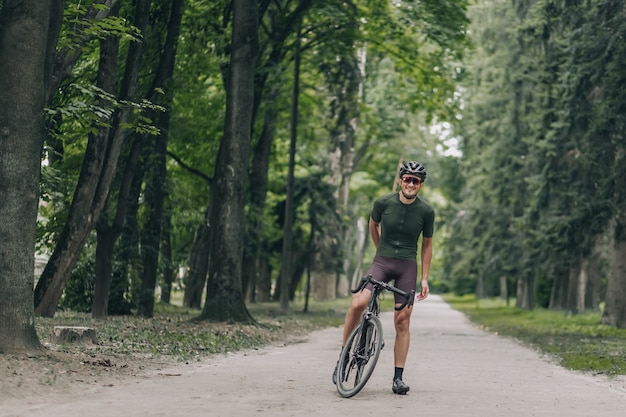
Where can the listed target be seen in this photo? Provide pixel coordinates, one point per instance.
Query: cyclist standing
(396, 223)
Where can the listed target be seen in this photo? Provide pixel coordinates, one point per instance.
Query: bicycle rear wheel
(359, 356)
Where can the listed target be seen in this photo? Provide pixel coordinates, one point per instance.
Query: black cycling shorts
(402, 271)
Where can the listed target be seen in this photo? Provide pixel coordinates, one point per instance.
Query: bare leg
(402, 320)
(353, 316)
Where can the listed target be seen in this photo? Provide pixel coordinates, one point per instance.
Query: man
(396, 223)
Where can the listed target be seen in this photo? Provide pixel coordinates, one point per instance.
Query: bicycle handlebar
(409, 297)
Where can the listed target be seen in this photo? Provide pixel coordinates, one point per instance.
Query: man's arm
(375, 231)
(427, 256)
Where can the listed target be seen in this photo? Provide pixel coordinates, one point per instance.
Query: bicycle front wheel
(359, 356)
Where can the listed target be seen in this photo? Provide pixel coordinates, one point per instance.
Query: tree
(286, 270)
(225, 299)
(278, 23)
(331, 30)
(107, 80)
(610, 129)
(24, 55)
(99, 166)
(543, 151)
(156, 184)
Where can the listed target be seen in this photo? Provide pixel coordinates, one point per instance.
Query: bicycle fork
(362, 352)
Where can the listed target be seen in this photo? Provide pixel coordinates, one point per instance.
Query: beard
(409, 197)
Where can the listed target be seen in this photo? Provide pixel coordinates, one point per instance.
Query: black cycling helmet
(413, 168)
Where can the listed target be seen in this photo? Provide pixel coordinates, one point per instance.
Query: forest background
(232, 151)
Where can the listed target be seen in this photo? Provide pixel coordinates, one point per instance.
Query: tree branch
(194, 171)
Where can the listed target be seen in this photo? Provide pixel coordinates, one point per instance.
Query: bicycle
(359, 356)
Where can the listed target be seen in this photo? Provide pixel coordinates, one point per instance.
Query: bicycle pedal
(382, 345)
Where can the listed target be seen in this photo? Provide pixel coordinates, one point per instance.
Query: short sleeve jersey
(401, 225)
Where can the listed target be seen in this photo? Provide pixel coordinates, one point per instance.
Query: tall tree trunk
(323, 281)
(345, 83)
(572, 288)
(23, 48)
(480, 287)
(225, 296)
(84, 212)
(560, 285)
(126, 269)
(504, 288)
(582, 283)
(264, 285)
(151, 236)
(594, 287)
(575, 289)
(61, 68)
(525, 293)
(298, 266)
(198, 266)
(166, 254)
(362, 242)
(107, 76)
(307, 261)
(155, 191)
(93, 186)
(104, 270)
(255, 276)
(287, 254)
(252, 278)
(108, 234)
(163, 74)
(615, 308)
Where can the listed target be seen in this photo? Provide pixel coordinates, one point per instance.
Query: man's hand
(424, 290)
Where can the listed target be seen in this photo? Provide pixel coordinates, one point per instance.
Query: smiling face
(410, 185)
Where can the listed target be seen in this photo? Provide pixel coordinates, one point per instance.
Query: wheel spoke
(363, 348)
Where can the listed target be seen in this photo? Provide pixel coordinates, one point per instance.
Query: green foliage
(315, 212)
(80, 26)
(78, 292)
(579, 341)
(537, 153)
(55, 191)
(89, 108)
(425, 41)
(412, 64)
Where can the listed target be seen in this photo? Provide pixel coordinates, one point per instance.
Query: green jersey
(401, 225)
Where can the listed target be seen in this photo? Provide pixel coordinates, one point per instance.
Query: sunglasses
(412, 180)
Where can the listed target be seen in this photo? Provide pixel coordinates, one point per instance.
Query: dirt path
(454, 369)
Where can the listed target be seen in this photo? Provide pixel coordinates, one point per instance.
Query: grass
(174, 334)
(577, 341)
(128, 346)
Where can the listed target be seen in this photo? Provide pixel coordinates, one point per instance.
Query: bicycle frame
(373, 307)
(358, 358)
(379, 286)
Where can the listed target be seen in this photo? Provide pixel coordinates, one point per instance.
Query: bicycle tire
(355, 366)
